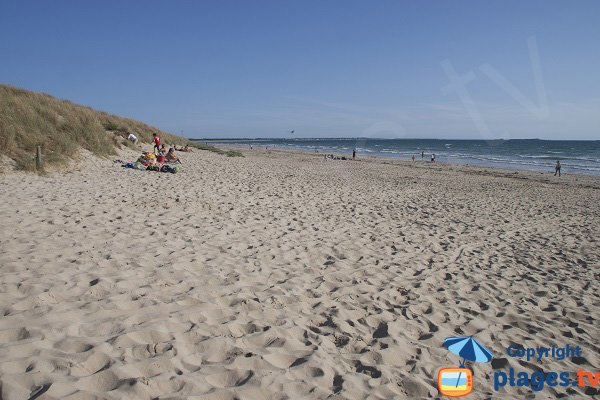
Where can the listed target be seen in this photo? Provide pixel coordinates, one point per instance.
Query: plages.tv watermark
(460, 381)
(537, 380)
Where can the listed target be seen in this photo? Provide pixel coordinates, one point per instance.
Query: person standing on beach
(156, 141)
(557, 168)
(422, 155)
(413, 158)
(354, 154)
(433, 158)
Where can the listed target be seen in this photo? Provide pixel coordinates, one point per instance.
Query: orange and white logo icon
(455, 382)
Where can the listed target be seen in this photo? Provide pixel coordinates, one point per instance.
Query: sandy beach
(286, 276)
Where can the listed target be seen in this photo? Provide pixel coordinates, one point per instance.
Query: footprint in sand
(229, 378)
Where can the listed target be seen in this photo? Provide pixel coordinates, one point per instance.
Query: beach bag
(168, 168)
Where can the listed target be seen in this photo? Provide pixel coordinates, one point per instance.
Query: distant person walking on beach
(422, 155)
(557, 168)
(413, 158)
(156, 141)
(353, 154)
(433, 158)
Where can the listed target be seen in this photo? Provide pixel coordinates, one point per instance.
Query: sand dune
(279, 276)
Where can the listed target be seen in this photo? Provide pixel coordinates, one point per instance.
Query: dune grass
(29, 119)
(225, 152)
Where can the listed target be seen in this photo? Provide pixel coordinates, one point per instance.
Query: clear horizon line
(380, 138)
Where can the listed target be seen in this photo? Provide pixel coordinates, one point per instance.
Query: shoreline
(540, 176)
(439, 159)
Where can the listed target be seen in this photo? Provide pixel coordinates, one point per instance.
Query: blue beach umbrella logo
(468, 348)
(458, 382)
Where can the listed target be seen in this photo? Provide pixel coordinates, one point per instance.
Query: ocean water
(581, 157)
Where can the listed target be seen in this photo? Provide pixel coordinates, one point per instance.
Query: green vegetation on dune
(225, 152)
(29, 119)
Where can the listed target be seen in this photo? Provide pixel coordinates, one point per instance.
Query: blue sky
(321, 68)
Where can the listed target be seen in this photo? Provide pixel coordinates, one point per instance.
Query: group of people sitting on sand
(160, 159)
(161, 163)
(169, 156)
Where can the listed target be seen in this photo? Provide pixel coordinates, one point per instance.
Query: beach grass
(225, 152)
(61, 127)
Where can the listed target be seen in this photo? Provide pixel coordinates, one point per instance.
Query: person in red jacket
(156, 141)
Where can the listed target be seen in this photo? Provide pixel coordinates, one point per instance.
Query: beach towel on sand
(135, 165)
